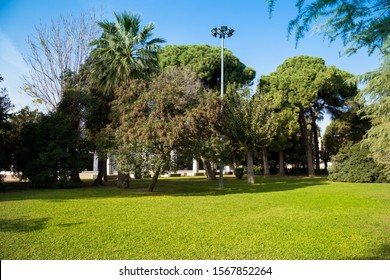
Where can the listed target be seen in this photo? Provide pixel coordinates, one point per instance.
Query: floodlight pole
(222, 32)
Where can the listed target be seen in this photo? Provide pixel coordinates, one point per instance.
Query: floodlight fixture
(222, 32)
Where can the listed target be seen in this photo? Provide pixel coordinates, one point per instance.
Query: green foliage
(376, 97)
(307, 83)
(5, 129)
(360, 24)
(239, 172)
(263, 122)
(251, 121)
(237, 113)
(51, 150)
(124, 50)
(308, 88)
(158, 117)
(352, 164)
(258, 170)
(206, 62)
(348, 127)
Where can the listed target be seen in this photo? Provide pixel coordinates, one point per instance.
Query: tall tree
(55, 51)
(206, 62)
(285, 123)
(160, 121)
(309, 87)
(237, 116)
(124, 51)
(5, 128)
(250, 121)
(333, 97)
(264, 125)
(377, 100)
(349, 126)
(359, 23)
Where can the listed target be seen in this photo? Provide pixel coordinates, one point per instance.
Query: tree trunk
(281, 163)
(307, 143)
(105, 175)
(316, 146)
(267, 173)
(209, 170)
(235, 165)
(154, 179)
(123, 180)
(102, 167)
(250, 172)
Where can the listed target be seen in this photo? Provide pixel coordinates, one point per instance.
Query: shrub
(51, 150)
(239, 172)
(352, 164)
(258, 170)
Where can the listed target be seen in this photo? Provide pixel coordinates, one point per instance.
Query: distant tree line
(152, 107)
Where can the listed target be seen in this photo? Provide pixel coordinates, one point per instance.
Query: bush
(352, 164)
(50, 150)
(258, 170)
(239, 172)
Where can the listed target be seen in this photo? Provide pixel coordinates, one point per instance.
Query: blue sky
(259, 41)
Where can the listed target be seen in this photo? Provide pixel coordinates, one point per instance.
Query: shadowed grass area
(188, 218)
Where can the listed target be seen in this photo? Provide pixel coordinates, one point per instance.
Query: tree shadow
(381, 253)
(22, 225)
(235, 186)
(165, 187)
(66, 225)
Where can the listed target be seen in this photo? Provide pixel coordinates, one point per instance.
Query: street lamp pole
(222, 32)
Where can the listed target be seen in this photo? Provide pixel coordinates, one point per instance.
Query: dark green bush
(239, 172)
(352, 164)
(51, 150)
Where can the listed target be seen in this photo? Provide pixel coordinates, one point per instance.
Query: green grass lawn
(187, 218)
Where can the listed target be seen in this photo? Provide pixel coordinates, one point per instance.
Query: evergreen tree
(359, 23)
(125, 51)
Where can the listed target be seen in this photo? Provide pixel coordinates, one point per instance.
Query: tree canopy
(5, 127)
(309, 87)
(124, 50)
(376, 97)
(161, 120)
(358, 23)
(50, 150)
(206, 62)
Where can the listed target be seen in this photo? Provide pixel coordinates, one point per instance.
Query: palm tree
(124, 51)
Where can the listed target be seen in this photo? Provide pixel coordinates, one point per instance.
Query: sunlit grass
(188, 218)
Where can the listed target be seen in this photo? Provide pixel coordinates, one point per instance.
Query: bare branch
(61, 47)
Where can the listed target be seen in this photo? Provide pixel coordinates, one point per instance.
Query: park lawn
(188, 218)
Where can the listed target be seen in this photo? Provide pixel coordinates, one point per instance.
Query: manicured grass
(187, 218)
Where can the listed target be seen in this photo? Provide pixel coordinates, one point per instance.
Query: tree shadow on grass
(22, 225)
(381, 253)
(165, 187)
(234, 186)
